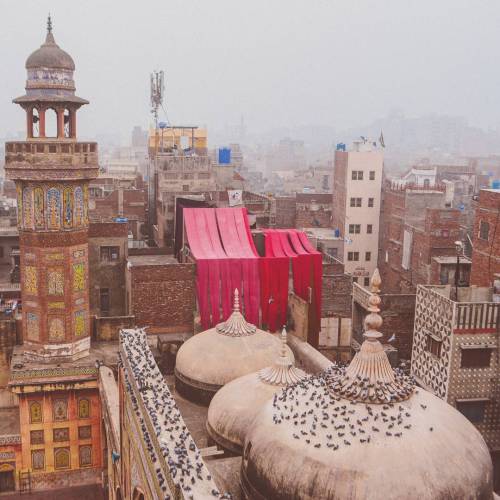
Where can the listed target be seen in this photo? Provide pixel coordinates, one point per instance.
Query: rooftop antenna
(157, 88)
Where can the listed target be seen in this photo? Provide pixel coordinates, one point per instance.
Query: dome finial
(236, 301)
(370, 377)
(282, 372)
(236, 326)
(49, 24)
(373, 321)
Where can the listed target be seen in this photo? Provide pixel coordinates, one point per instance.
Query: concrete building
(356, 207)
(456, 355)
(486, 238)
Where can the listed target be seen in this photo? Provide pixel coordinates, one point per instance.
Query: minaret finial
(49, 24)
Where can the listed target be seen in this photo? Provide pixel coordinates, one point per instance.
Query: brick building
(486, 238)
(161, 293)
(417, 239)
(456, 355)
(313, 210)
(108, 253)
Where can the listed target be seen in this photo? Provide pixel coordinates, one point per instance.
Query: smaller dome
(234, 407)
(50, 55)
(213, 358)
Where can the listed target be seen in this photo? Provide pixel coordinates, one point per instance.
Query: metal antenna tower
(157, 88)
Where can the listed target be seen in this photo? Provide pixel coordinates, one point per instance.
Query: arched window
(61, 458)
(67, 123)
(60, 407)
(50, 123)
(35, 127)
(83, 408)
(138, 494)
(35, 412)
(118, 495)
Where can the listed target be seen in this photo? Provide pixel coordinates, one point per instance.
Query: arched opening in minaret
(67, 122)
(50, 123)
(35, 123)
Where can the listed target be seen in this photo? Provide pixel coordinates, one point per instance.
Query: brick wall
(486, 252)
(285, 212)
(313, 218)
(163, 296)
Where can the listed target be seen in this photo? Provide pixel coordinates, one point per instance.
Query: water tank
(495, 184)
(340, 146)
(224, 156)
(337, 233)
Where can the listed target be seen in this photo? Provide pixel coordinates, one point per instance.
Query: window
(38, 459)
(60, 409)
(185, 187)
(35, 412)
(83, 408)
(372, 175)
(355, 202)
(110, 254)
(85, 453)
(61, 458)
(368, 256)
(357, 175)
(61, 434)
(85, 432)
(36, 437)
(1, 252)
(104, 301)
(355, 279)
(366, 281)
(473, 410)
(354, 228)
(484, 230)
(353, 256)
(371, 202)
(369, 228)
(475, 358)
(433, 346)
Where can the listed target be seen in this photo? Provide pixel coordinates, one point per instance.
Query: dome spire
(49, 39)
(282, 372)
(236, 326)
(370, 378)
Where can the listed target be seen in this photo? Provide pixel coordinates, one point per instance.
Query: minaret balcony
(50, 159)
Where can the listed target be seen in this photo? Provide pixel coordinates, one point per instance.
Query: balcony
(57, 159)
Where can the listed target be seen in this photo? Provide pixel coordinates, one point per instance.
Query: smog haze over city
(279, 65)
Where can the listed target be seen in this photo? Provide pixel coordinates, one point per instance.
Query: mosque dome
(212, 358)
(364, 432)
(50, 55)
(235, 405)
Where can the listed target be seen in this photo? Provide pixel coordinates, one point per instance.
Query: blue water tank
(337, 233)
(340, 146)
(224, 156)
(495, 184)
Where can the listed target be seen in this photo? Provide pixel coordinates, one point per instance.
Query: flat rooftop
(24, 369)
(151, 260)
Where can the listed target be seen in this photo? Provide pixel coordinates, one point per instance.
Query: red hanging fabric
(202, 266)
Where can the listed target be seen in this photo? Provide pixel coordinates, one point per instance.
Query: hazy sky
(277, 63)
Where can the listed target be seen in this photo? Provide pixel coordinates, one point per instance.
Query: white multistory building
(357, 195)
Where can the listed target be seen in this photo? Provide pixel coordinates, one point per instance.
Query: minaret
(52, 176)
